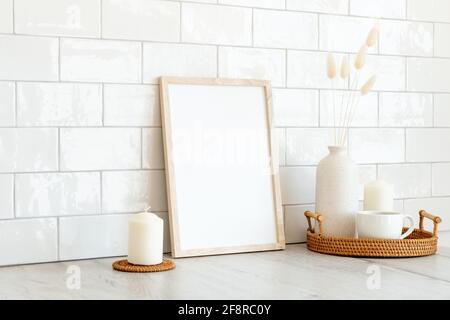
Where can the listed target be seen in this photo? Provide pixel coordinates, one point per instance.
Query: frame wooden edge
(176, 251)
(274, 166)
(229, 250)
(165, 124)
(213, 81)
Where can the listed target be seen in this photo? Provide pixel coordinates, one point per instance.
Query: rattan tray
(419, 243)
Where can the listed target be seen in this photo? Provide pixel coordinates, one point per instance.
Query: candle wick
(148, 208)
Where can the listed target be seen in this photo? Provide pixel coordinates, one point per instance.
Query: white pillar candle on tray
(379, 195)
(145, 239)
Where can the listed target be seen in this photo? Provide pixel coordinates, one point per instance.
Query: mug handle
(411, 226)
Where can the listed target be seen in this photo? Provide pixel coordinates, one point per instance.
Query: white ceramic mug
(382, 225)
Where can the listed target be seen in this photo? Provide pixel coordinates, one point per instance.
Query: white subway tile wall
(324, 6)
(274, 29)
(409, 180)
(141, 20)
(178, 60)
(6, 16)
(65, 18)
(7, 192)
(57, 194)
(406, 109)
(395, 9)
(58, 104)
(100, 148)
(131, 191)
(28, 58)
(252, 63)
(100, 61)
(131, 105)
(7, 104)
(77, 233)
(80, 124)
(441, 172)
(442, 110)
(152, 149)
(441, 43)
(332, 102)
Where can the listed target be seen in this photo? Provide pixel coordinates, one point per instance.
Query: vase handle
(317, 217)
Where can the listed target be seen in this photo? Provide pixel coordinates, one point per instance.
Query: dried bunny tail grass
(345, 70)
(331, 66)
(372, 36)
(368, 85)
(361, 57)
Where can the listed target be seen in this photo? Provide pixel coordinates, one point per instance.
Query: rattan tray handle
(422, 214)
(317, 217)
(436, 221)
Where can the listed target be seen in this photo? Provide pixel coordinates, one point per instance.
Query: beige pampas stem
(331, 66)
(360, 59)
(349, 97)
(365, 89)
(344, 73)
(372, 37)
(344, 68)
(331, 74)
(350, 100)
(368, 85)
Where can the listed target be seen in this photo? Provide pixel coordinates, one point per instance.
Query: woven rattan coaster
(125, 266)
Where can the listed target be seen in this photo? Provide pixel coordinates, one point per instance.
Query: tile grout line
(142, 62)
(87, 171)
(142, 147)
(59, 149)
(237, 46)
(431, 180)
(86, 215)
(434, 39)
(253, 27)
(130, 127)
(273, 86)
(102, 89)
(286, 69)
(14, 197)
(343, 15)
(378, 110)
(180, 37)
(101, 192)
(13, 16)
(59, 60)
(217, 61)
(320, 109)
(318, 32)
(406, 146)
(433, 108)
(101, 19)
(15, 105)
(406, 10)
(58, 241)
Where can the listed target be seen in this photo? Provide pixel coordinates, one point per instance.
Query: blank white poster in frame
(221, 166)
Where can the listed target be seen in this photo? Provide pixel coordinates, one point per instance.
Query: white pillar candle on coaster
(379, 195)
(145, 239)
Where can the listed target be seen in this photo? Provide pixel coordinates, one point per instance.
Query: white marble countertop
(294, 273)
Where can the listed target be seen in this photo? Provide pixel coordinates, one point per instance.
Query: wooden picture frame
(180, 215)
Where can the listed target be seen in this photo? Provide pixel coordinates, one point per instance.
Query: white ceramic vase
(337, 193)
